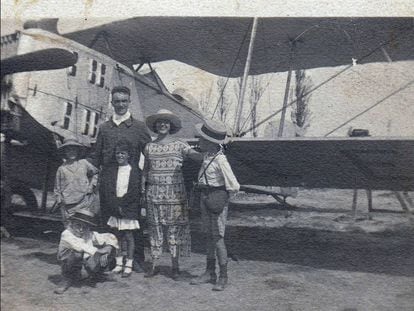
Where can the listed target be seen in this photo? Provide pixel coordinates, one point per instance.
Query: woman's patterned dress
(167, 206)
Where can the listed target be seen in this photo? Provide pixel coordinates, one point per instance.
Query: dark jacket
(128, 206)
(109, 134)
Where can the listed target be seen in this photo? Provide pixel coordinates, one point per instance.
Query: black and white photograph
(211, 155)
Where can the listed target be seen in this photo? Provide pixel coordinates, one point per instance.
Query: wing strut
(239, 109)
(287, 88)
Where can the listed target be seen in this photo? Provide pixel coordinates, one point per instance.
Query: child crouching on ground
(216, 182)
(80, 247)
(123, 205)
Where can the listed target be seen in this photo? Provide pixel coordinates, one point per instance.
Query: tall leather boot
(222, 280)
(209, 276)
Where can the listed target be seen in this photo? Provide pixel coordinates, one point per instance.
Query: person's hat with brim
(70, 142)
(213, 131)
(84, 216)
(164, 114)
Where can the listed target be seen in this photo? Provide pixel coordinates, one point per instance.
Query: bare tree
(204, 102)
(301, 113)
(256, 91)
(223, 102)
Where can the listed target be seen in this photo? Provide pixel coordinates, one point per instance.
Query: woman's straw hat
(214, 131)
(164, 114)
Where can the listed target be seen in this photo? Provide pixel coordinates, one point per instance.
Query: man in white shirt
(80, 247)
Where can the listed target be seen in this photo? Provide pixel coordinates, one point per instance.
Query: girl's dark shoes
(117, 269)
(127, 269)
(127, 273)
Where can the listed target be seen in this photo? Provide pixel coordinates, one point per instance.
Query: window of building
(96, 118)
(97, 73)
(92, 71)
(73, 69)
(102, 76)
(68, 115)
(87, 120)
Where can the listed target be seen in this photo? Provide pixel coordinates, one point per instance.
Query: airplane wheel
(22, 198)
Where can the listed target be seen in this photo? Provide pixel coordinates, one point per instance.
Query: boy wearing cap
(216, 182)
(74, 179)
(80, 247)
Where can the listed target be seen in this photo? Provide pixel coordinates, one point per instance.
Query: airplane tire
(27, 196)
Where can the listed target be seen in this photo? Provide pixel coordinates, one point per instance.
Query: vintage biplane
(235, 47)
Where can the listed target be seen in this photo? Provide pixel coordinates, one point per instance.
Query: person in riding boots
(216, 182)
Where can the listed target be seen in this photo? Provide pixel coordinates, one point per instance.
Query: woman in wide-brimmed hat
(163, 184)
(216, 181)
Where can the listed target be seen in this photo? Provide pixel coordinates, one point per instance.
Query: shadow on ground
(388, 253)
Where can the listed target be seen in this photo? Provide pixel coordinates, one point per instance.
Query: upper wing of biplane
(342, 163)
(219, 45)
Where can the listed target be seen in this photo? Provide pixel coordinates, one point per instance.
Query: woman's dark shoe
(154, 270)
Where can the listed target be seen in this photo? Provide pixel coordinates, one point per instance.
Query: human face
(121, 157)
(79, 228)
(120, 102)
(207, 146)
(71, 153)
(162, 126)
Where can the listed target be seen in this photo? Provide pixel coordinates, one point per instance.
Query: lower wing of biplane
(343, 163)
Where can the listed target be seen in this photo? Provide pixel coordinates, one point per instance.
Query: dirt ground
(314, 257)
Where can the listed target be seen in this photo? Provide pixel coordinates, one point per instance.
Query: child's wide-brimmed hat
(70, 142)
(164, 114)
(84, 216)
(214, 131)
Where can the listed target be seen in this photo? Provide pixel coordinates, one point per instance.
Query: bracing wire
(231, 69)
(325, 82)
(369, 108)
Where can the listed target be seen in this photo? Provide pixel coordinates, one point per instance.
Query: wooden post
(43, 205)
(354, 202)
(239, 110)
(369, 196)
(402, 202)
(408, 199)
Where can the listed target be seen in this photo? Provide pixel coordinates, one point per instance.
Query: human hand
(142, 201)
(104, 250)
(91, 188)
(120, 211)
(103, 260)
